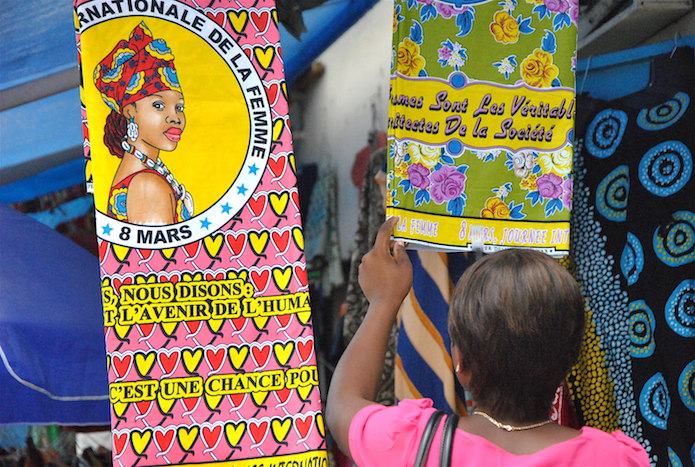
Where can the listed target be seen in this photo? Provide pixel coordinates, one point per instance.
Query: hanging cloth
(633, 246)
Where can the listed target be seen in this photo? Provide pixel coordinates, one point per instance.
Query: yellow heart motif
(144, 362)
(259, 240)
(121, 252)
(212, 401)
(259, 397)
(264, 55)
(213, 244)
(121, 330)
(282, 277)
(320, 425)
(238, 356)
(283, 353)
(146, 280)
(140, 440)
(298, 237)
(119, 408)
(234, 432)
(243, 275)
(278, 202)
(168, 253)
(187, 436)
(192, 359)
(165, 405)
(215, 324)
(304, 316)
(293, 162)
(281, 428)
(278, 126)
(260, 322)
(304, 392)
(274, 13)
(169, 328)
(238, 19)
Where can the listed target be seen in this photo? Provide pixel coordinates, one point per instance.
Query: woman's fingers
(383, 237)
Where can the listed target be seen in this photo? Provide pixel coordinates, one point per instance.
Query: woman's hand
(386, 274)
(385, 277)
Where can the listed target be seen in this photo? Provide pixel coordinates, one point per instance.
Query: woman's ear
(128, 111)
(461, 370)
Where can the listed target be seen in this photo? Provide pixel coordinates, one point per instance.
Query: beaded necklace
(159, 166)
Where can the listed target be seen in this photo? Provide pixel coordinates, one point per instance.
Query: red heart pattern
(260, 20)
(303, 425)
(211, 435)
(190, 263)
(236, 243)
(121, 365)
(258, 204)
(258, 431)
(164, 439)
(261, 355)
(215, 358)
(305, 349)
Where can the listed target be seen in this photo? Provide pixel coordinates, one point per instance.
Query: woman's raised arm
(385, 277)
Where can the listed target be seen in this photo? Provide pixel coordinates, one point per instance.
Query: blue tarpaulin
(52, 357)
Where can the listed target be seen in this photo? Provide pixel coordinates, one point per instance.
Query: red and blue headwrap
(136, 68)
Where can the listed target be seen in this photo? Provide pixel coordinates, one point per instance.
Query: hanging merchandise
(371, 216)
(210, 350)
(481, 114)
(633, 252)
(424, 366)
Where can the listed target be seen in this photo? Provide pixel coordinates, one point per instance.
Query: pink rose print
(419, 176)
(447, 184)
(557, 6)
(567, 194)
(549, 186)
(447, 11)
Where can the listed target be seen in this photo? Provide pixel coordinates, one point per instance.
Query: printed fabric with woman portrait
(138, 81)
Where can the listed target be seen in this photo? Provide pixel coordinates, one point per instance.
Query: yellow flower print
(505, 28)
(538, 70)
(401, 170)
(495, 208)
(389, 198)
(535, 2)
(425, 155)
(410, 62)
(529, 183)
(559, 162)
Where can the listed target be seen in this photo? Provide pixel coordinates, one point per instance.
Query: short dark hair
(517, 318)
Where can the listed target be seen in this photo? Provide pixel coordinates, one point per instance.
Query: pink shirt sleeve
(596, 447)
(388, 436)
(633, 452)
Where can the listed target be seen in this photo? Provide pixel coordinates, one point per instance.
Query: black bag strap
(427, 436)
(448, 440)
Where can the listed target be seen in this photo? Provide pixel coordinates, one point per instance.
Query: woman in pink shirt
(516, 322)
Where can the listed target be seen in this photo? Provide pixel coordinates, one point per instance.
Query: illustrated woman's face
(160, 119)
